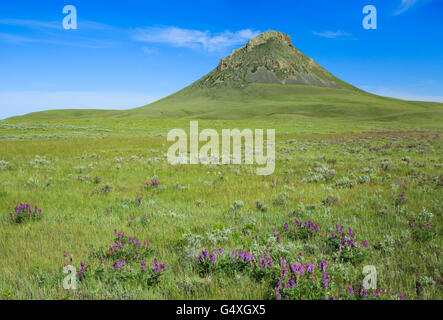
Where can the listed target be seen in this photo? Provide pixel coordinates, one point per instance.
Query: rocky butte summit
(269, 58)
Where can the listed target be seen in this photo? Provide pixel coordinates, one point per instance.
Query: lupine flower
(323, 265)
(154, 182)
(325, 280)
(24, 211)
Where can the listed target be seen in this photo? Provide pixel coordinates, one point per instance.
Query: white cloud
(35, 24)
(193, 38)
(332, 34)
(148, 50)
(14, 103)
(15, 38)
(405, 5)
(59, 41)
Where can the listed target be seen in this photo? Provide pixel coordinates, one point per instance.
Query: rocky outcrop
(269, 58)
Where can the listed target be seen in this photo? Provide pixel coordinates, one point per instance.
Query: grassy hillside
(263, 100)
(268, 101)
(67, 114)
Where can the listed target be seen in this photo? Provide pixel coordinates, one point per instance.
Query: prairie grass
(89, 177)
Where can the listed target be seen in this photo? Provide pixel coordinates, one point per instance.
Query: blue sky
(125, 54)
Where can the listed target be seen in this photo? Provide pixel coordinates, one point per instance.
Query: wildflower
(325, 280)
(310, 267)
(351, 290)
(323, 265)
(364, 293)
(285, 226)
(143, 264)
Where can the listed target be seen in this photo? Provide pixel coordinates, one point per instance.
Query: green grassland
(349, 171)
(265, 101)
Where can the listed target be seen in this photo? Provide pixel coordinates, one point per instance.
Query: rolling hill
(268, 78)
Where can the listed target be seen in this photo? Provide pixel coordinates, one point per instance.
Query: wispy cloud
(15, 38)
(333, 34)
(405, 5)
(78, 42)
(167, 35)
(35, 24)
(55, 25)
(148, 50)
(193, 38)
(47, 32)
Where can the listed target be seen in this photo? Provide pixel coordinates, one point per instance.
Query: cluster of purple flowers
(285, 180)
(153, 183)
(132, 240)
(120, 242)
(277, 236)
(119, 265)
(401, 199)
(159, 267)
(325, 278)
(137, 201)
(210, 257)
(266, 262)
(23, 211)
(422, 226)
(124, 252)
(347, 239)
(294, 272)
(303, 230)
(363, 293)
(83, 269)
(307, 225)
(243, 256)
(418, 164)
(329, 175)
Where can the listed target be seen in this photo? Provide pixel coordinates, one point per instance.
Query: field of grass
(264, 101)
(95, 179)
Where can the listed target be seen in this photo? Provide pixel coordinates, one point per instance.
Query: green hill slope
(269, 78)
(264, 100)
